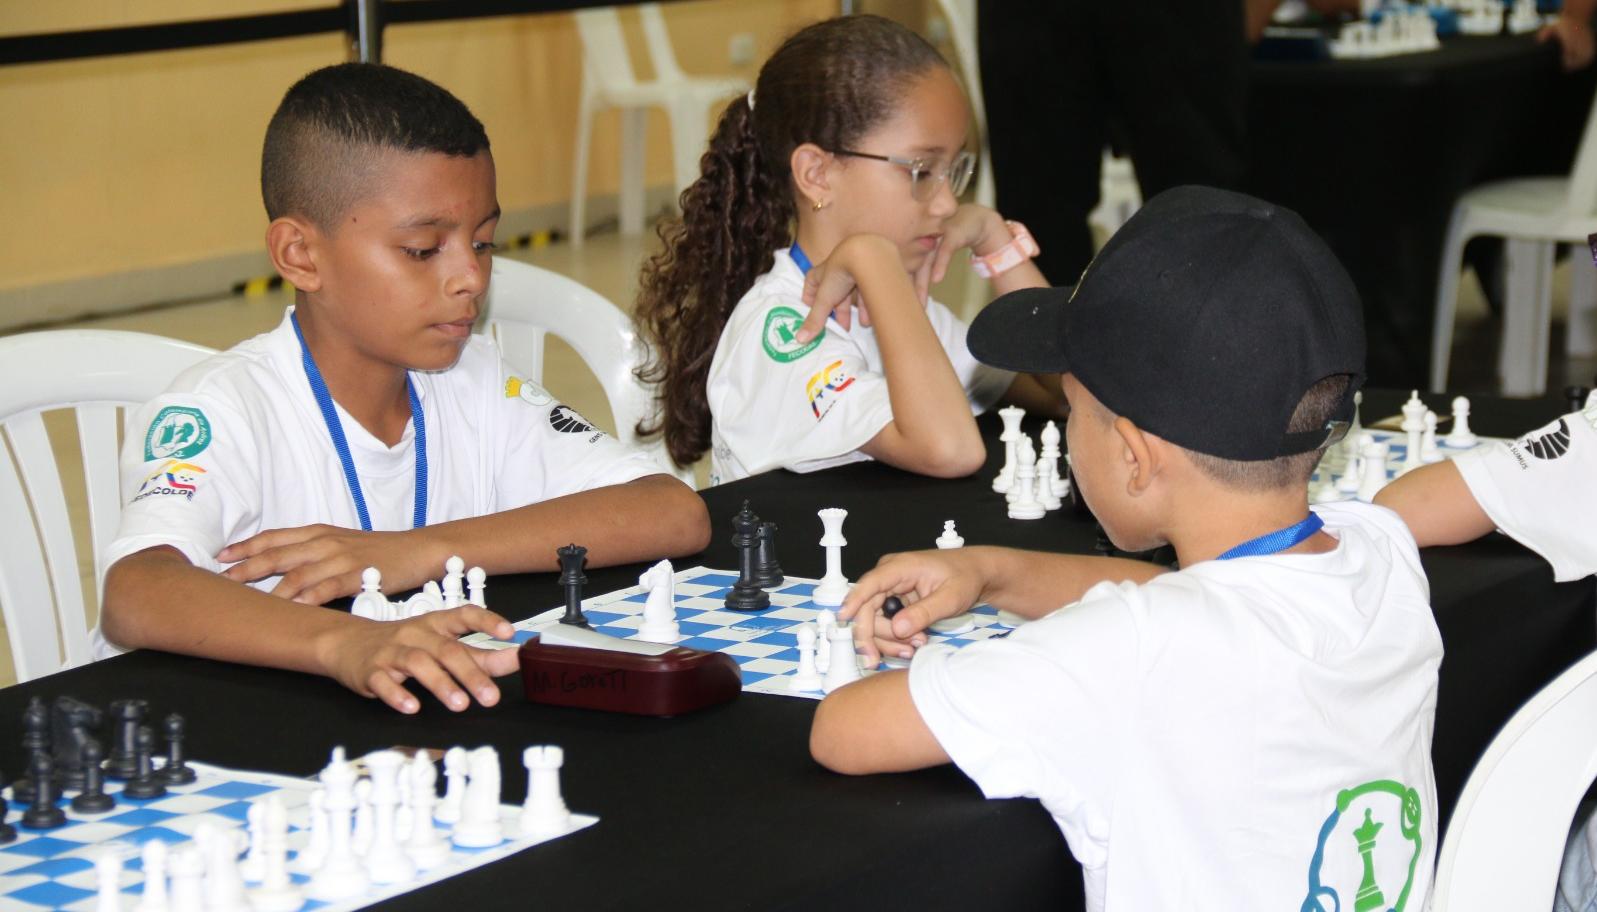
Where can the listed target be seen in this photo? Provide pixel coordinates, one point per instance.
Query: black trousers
(1166, 79)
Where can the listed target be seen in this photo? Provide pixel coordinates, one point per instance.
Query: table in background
(724, 808)
(1374, 153)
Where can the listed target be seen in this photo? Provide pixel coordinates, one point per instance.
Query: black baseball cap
(1204, 320)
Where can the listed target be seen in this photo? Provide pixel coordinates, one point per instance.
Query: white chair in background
(526, 303)
(608, 81)
(1506, 839)
(93, 373)
(1533, 215)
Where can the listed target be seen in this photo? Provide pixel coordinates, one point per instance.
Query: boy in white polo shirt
(1252, 731)
(371, 428)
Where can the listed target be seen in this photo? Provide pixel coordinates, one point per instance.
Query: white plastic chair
(608, 81)
(1506, 839)
(526, 303)
(1534, 215)
(94, 373)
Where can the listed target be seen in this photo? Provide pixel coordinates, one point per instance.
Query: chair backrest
(1583, 174)
(1506, 839)
(661, 54)
(525, 303)
(604, 48)
(94, 373)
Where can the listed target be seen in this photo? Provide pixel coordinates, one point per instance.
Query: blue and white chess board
(54, 869)
(765, 644)
(1333, 464)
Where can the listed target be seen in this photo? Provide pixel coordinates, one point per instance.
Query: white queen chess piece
(833, 587)
(341, 874)
(386, 861)
(1011, 416)
(659, 612)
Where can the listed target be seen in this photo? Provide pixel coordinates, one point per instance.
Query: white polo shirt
(775, 403)
(1228, 736)
(238, 446)
(1541, 490)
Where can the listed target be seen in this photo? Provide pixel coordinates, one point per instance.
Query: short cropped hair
(1317, 406)
(323, 142)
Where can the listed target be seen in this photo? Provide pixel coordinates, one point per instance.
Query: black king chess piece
(767, 572)
(746, 594)
(572, 557)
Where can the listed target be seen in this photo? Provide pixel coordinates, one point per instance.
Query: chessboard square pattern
(50, 894)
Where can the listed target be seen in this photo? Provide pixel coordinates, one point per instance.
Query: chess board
(1334, 464)
(765, 644)
(54, 869)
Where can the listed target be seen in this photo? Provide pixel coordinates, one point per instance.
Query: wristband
(1020, 248)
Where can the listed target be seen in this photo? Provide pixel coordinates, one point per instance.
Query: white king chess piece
(833, 587)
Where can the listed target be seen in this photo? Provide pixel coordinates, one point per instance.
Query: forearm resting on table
(1436, 505)
(1033, 584)
(872, 726)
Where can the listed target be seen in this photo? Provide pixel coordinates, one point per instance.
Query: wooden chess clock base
(574, 666)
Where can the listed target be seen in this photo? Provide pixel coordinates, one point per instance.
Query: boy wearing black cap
(1254, 729)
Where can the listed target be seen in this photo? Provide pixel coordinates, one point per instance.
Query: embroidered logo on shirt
(173, 479)
(1361, 856)
(825, 385)
(780, 336)
(527, 391)
(1550, 442)
(178, 432)
(565, 419)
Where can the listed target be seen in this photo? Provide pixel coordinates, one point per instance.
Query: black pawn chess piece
(767, 572)
(35, 740)
(144, 784)
(572, 557)
(42, 812)
(126, 717)
(93, 799)
(176, 771)
(746, 594)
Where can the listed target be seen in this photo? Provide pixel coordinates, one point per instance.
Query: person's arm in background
(1573, 33)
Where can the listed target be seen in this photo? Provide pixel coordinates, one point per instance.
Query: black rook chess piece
(93, 799)
(176, 771)
(572, 557)
(144, 784)
(126, 717)
(746, 594)
(767, 572)
(42, 813)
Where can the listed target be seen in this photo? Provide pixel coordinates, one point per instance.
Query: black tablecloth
(724, 808)
(1374, 153)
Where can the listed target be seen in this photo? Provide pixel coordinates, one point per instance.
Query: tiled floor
(609, 264)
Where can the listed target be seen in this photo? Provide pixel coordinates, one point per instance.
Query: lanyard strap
(1277, 541)
(335, 429)
(799, 259)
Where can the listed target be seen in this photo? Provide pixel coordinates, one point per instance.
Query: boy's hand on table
(374, 658)
(933, 585)
(320, 563)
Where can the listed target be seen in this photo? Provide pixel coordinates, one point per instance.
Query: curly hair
(828, 84)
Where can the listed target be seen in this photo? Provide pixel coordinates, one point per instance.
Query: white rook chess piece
(808, 677)
(455, 787)
(277, 892)
(1414, 426)
(1026, 505)
(659, 612)
(476, 584)
(1461, 436)
(1011, 416)
(371, 603)
(479, 825)
(833, 587)
(386, 862)
(950, 539)
(1048, 478)
(1372, 466)
(424, 846)
(843, 667)
(340, 875)
(153, 899)
(544, 813)
(1429, 451)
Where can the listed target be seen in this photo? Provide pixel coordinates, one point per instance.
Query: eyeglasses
(923, 176)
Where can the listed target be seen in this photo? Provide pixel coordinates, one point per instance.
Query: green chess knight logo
(178, 432)
(1361, 853)
(781, 335)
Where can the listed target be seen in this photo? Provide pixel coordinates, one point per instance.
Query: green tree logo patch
(781, 335)
(178, 432)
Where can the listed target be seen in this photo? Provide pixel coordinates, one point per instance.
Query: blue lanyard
(324, 401)
(1277, 541)
(799, 259)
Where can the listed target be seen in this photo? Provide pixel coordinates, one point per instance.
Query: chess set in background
(173, 837)
(1365, 460)
(1032, 486)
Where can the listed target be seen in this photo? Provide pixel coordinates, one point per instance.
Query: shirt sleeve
(190, 479)
(984, 385)
(550, 450)
(1541, 490)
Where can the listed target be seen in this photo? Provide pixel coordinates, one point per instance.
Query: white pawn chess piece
(1048, 479)
(188, 879)
(1372, 471)
(476, 587)
(1011, 416)
(1461, 437)
(277, 892)
(309, 859)
(424, 846)
(808, 677)
(370, 603)
(153, 898)
(1429, 451)
(824, 622)
(833, 587)
(1026, 504)
(361, 839)
(1414, 426)
(223, 887)
(108, 881)
(950, 539)
(341, 874)
(544, 813)
(479, 825)
(1351, 442)
(843, 668)
(455, 762)
(386, 862)
(454, 591)
(253, 867)
(659, 612)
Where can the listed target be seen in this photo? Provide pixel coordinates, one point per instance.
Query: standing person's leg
(1045, 123)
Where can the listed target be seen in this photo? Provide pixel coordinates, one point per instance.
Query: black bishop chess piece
(126, 717)
(43, 812)
(93, 799)
(177, 770)
(746, 594)
(767, 572)
(572, 557)
(144, 784)
(35, 741)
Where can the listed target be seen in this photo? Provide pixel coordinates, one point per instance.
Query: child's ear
(810, 165)
(1143, 456)
(290, 242)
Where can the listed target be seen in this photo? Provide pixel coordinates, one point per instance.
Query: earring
(818, 205)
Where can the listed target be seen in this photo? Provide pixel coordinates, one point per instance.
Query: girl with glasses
(788, 316)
